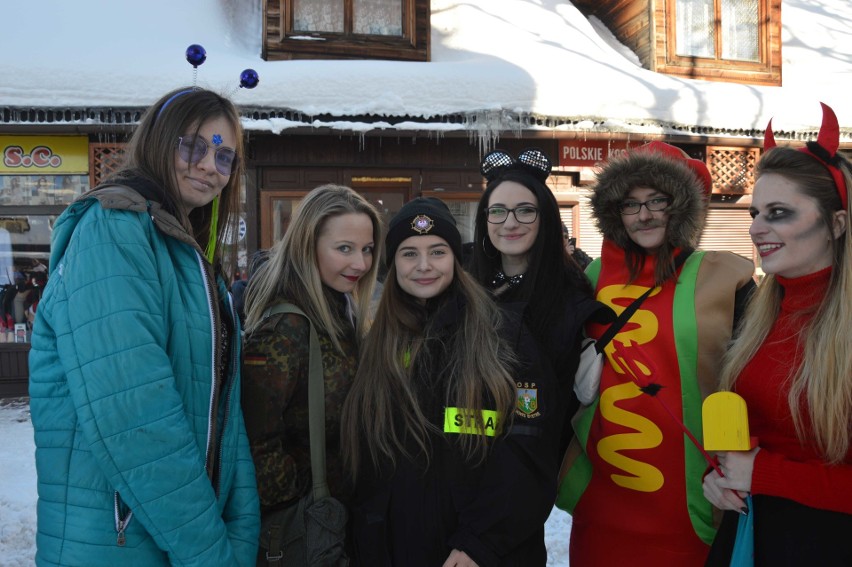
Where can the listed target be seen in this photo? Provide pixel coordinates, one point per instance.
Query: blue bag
(743, 553)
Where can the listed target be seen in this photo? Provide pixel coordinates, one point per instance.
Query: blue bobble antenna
(249, 79)
(196, 55)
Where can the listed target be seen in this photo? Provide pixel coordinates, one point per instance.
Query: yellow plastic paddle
(725, 419)
(725, 422)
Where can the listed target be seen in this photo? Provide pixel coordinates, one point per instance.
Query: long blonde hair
(824, 377)
(292, 272)
(383, 411)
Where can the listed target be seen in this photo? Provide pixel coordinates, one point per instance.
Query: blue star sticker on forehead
(217, 140)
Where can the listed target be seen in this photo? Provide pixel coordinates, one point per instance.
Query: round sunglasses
(192, 149)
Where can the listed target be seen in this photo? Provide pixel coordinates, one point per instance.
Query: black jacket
(560, 344)
(417, 513)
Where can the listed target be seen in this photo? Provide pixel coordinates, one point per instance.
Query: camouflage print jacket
(275, 405)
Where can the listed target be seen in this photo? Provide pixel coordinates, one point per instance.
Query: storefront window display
(39, 177)
(28, 190)
(24, 255)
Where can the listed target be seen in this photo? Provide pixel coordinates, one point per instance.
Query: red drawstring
(689, 434)
(652, 389)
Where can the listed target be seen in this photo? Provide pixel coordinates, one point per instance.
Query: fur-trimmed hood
(670, 175)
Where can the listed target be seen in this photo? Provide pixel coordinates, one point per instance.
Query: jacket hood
(129, 193)
(666, 174)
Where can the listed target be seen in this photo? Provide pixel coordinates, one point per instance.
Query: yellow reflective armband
(463, 420)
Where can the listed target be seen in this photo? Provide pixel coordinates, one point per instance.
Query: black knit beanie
(423, 216)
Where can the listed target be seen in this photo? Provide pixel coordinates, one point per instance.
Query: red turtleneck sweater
(785, 467)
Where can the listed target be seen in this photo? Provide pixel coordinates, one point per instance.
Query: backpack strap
(625, 315)
(316, 402)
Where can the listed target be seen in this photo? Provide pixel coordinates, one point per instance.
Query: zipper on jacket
(234, 359)
(214, 367)
(121, 521)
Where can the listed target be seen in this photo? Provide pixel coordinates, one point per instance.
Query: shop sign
(589, 153)
(40, 155)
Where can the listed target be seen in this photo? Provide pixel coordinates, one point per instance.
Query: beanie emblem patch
(422, 224)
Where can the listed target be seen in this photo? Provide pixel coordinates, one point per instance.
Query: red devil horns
(768, 137)
(828, 141)
(829, 132)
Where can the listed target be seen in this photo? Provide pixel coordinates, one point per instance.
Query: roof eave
(98, 120)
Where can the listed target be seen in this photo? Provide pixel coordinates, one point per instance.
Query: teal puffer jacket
(141, 450)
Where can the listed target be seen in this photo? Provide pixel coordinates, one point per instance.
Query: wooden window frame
(280, 43)
(766, 71)
(267, 208)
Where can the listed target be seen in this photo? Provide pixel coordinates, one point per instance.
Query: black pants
(787, 533)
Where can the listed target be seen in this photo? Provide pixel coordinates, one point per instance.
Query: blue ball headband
(197, 55)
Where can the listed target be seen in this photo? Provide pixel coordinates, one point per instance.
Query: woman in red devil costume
(792, 362)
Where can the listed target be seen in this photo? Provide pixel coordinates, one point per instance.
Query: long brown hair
(824, 377)
(383, 411)
(152, 152)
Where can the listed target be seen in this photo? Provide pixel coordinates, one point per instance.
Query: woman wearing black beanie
(444, 474)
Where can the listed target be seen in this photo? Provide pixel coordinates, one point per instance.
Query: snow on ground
(17, 484)
(18, 494)
(557, 532)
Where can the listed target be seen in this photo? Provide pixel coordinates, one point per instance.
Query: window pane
(378, 17)
(695, 32)
(465, 214)
(282, 212)
(24, 254)
(387, 201)
(318, 15)
(739, 30)
(41, 189)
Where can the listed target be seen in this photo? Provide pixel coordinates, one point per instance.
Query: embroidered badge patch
(422, 224)
(528, 402)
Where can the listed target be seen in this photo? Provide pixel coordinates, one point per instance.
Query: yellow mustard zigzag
(641, 476)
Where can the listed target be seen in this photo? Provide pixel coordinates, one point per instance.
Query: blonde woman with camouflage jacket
(325, 266)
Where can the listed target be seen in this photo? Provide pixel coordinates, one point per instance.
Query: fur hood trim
(673, 177)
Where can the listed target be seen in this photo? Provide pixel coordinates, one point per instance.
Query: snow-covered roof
(496, 66)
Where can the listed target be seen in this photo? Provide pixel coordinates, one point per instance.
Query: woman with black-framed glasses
(141, 449)
(520, 256)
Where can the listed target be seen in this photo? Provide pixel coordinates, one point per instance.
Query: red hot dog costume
(633, 481)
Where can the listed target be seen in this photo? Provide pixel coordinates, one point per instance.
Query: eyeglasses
(192, 149)
(654, 205)
(524, 215)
